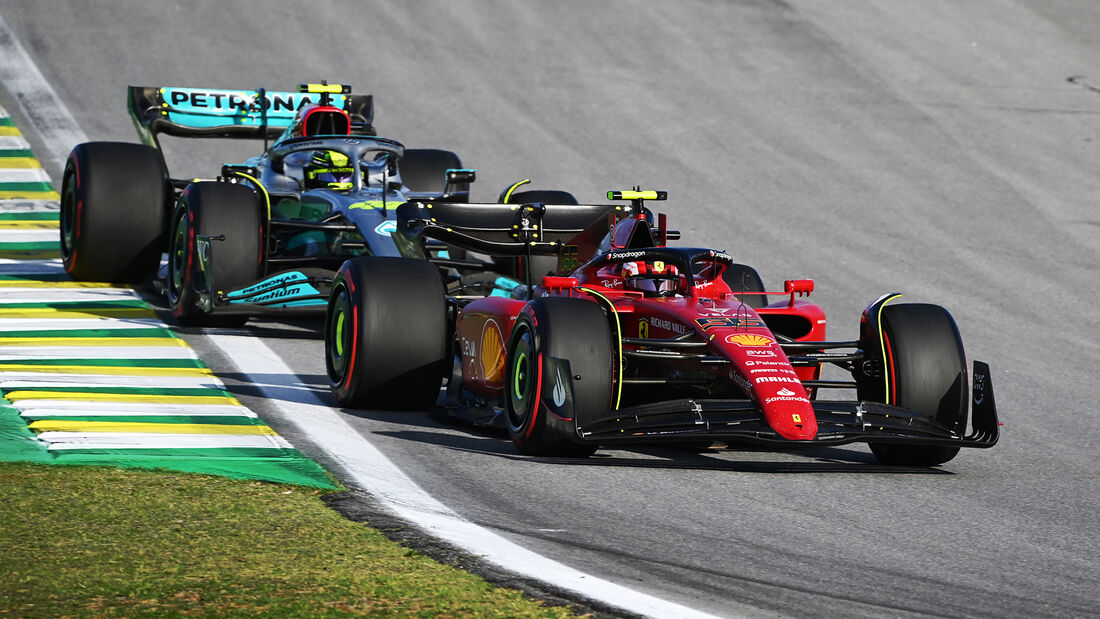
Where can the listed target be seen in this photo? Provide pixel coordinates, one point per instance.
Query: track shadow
(832, 460)
(438, 428)
(293, 388)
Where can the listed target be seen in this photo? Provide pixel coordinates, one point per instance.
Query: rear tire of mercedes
(424, 169)
(572, 329)
(386, 333)
(545, 196)
(927, 364)
(219, 210)
(743, 278)
(114, 198)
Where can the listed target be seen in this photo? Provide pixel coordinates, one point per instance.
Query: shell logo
(492, 352)
(749, 339)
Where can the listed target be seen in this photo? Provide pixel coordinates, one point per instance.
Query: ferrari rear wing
(214, 113)
(497, 229)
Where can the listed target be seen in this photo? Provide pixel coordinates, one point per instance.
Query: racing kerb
(90, 375)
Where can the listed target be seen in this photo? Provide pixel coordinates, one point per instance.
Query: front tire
(114, 199)
(213, 209)
(742, 278)
(926, 368)
(386, 333)
(573, 330)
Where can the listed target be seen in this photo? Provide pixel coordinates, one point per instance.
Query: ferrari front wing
(838, 422)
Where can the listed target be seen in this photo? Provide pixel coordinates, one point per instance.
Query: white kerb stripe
(12, 381)
(73, 324)
(31, 236)
(12, 354)
(134, 440)
(24, 205)
(81, 407)
(23, 175)
(12, 266)
(65, 295)
(12, 142)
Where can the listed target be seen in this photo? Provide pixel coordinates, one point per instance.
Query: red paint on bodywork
(470, 329)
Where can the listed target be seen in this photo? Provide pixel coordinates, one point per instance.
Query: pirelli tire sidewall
(114, 204)
(572, 329)
(925, 371)
(229, 214)
(387, 334)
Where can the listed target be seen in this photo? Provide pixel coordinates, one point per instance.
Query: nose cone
(773, 383)
(786, 408)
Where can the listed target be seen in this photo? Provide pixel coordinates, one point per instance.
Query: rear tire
(386, 334)
(926, 365)
(114, 198)
(577, 331)
(424, 170)
(213, 209)
(546, 196)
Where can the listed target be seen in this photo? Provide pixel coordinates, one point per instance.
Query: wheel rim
(338, 336)
(522, 380)
(177, 258)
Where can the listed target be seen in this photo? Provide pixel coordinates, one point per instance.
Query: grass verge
(91, 541)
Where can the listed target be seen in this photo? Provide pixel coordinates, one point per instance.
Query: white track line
(375, 473)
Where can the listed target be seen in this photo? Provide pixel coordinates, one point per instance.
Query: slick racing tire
(114, 198)
(213, 209)
(574, 330)
(546, 196)
(926, 367)
(743, 278)
(424, 169)
(386, 334)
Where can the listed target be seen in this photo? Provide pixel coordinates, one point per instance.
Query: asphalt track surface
(938, 148)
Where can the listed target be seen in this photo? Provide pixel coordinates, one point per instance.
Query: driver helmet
(330, 169)
(650, 277)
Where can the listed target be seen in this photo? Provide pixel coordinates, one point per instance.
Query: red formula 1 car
(633, 341)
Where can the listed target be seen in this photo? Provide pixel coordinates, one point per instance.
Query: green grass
(91, 541)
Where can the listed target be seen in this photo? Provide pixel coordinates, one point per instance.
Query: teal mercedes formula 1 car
(263, 236)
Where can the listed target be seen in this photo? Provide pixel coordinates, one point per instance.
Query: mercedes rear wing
(214, 113)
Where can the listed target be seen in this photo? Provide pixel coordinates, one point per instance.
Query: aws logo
(749, 339)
